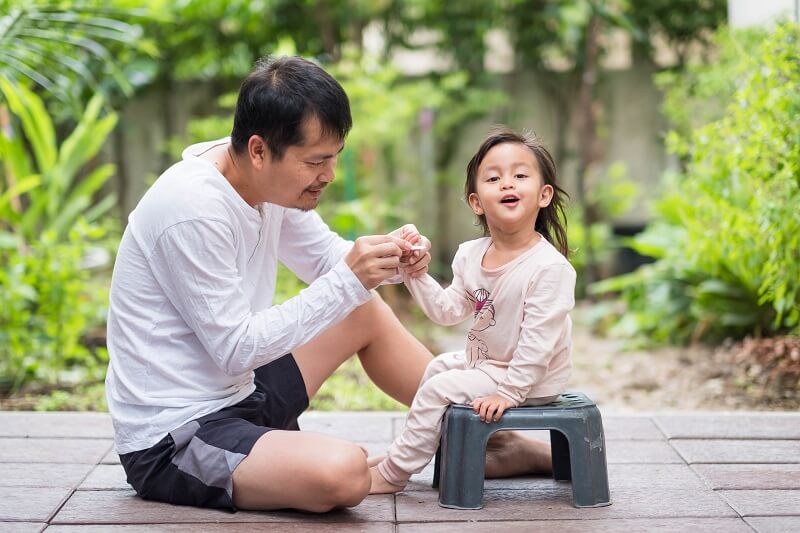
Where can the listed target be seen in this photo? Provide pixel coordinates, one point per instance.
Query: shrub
(52, 230)
(728, 235)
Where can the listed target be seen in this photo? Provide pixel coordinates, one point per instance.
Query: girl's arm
(550, 297)
(444, 306)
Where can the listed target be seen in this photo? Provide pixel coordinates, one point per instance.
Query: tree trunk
(587, 138)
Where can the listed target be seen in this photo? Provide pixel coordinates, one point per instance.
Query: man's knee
(346, 477)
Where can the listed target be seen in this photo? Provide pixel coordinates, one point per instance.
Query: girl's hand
(492, 407)
(414, 262)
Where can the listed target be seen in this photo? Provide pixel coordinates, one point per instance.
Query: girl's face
(509, 190)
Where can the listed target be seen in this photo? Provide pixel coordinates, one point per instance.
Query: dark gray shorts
(193, 464)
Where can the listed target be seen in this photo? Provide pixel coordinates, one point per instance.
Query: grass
(349, 389)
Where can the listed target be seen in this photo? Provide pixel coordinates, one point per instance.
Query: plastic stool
(576, 439)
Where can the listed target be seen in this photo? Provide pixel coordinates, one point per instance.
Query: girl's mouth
(509, 200)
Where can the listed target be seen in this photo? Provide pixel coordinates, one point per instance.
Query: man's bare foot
(510, 453)
(380, 485)
(375, 461)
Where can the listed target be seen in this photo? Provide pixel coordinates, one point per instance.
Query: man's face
(298, 178)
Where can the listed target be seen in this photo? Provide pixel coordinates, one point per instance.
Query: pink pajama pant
(446, 381)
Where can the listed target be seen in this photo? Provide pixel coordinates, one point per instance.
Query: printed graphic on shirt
(484, 319)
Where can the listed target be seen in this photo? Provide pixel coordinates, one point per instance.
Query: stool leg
(587, 450)
(463, 460)
(437, 461)
(559, 447)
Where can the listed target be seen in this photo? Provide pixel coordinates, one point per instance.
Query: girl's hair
(551, 221)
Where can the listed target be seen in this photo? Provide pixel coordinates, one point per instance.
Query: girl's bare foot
(509, 453)
(380, 485)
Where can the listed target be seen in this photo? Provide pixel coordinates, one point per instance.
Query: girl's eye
(492, 178)
(520, 176)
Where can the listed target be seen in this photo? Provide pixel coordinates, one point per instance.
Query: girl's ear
(545, 196)
(475, 204)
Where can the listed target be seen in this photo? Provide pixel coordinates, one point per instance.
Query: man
(206, 377)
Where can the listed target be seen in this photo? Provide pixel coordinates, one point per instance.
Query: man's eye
(315, 163)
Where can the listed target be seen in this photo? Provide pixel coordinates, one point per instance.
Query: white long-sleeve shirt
(190, 312)
(521, 330)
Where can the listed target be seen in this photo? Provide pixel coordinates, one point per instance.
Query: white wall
(745, 13)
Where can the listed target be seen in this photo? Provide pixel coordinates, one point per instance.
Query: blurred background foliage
(727, 232)
(722, 240)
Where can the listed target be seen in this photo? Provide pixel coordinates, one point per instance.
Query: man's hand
(375, 258)
(491, 407)
(414, 262)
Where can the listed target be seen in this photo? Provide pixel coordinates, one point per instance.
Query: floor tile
(66, 476)
(106, 477)
(22, 527)
(73, 425)
(631, 428)
(26, 503)
(750, 476)
(730, 426)
(357, 427)
(640, 451)
(205, 527)
(111, 458)
(738, 451)
(556, 503)
(123, 506)
(630, 525)
(53, 450)
(763, 502)
(653, 476)
(774, 524)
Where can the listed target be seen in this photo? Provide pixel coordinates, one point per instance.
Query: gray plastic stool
(576, 440)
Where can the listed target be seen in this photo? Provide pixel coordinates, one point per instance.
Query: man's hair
(279, 95)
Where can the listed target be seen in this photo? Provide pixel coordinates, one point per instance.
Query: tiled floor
(724, 472)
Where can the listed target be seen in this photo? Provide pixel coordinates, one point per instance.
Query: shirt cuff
(351, 282)
(509, 397)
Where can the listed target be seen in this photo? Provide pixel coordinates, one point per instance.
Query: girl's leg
(416, 445)
(442, 363)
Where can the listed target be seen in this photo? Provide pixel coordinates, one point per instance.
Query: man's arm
(308, 247)
(193, 262)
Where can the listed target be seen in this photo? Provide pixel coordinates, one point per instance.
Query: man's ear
(475, 203)
(257, 150)
(545, 196)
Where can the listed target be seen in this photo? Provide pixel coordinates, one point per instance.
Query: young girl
(517, 286)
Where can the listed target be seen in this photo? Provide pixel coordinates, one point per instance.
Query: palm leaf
(33, 37)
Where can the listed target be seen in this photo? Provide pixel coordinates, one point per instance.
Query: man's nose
(329, 172)
(327, 175)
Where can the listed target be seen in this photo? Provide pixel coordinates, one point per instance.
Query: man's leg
(316, 472)
(301, 470)
(391, 356)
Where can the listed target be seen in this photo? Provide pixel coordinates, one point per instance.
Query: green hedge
(728, 234)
